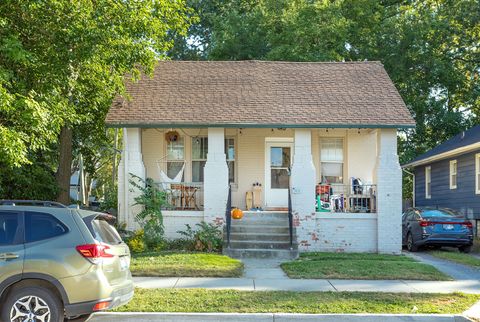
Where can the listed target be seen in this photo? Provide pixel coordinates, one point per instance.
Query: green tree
(62, 62)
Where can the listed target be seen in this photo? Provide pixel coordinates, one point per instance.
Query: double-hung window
(428, 182)
(453, 174)
(230, 153)
(331, 160)
(477, 173)
(175, 157)
(199, 157)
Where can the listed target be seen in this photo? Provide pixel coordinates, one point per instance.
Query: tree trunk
(64, 165)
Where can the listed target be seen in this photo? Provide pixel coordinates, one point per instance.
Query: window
(331, 160)
(39, 226)
(453, 174)
(199, 157)
(230, 152)
(477, 173)
(175, 157)
(9, 223)
(428, 182)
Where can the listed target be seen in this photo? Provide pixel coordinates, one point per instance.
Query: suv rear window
(39, 226)
(8, 228)
(102, 231)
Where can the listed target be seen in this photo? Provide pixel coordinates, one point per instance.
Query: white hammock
(165, 180)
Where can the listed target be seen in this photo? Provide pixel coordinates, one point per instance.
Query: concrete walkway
(284, 284)
(458, 271)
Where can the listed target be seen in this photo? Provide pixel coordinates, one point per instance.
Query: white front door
(278, 160)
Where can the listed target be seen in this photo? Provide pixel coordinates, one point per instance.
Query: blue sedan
(436, 227)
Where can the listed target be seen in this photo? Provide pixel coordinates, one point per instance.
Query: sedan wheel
(410, 244)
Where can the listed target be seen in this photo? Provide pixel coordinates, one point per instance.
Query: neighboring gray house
(449, 175)
(198, 128)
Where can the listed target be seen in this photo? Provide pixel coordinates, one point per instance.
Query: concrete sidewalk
(285, 284)
(273, 317)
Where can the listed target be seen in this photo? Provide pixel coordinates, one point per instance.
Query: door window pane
(279, 179)
(8, 228)
(280, 157)
(230, 154)
(39, 226)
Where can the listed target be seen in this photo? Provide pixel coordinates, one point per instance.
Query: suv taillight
(93, 251)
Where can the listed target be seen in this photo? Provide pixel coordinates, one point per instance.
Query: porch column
(389, 193)
(215, 177)
(302, 182)
(131, 163)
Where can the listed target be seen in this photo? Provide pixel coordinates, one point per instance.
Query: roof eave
(257, 125)
(444, 155)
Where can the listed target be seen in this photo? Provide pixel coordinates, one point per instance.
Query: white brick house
(216, 125)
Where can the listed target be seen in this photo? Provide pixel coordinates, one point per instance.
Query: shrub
(136, 242)
(208, 237)
(150, 218)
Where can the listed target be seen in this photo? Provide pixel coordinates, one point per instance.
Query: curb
(273, 317)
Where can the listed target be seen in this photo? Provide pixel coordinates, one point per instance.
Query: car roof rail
(40, 203)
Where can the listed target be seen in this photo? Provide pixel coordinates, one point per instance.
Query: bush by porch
(360, 266)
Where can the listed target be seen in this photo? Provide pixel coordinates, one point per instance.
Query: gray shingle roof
(262, 93)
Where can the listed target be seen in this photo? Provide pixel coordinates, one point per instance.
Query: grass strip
(177, 264)
(360, 266)
(201, 300)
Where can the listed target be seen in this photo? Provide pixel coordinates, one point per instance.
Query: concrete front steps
(261, 234)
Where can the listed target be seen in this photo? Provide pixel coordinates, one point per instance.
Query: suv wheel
(32, 303)
(410, 244)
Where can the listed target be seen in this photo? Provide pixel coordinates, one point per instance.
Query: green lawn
(360, 266)
(201, 300)
(185, 264)
(456, 256)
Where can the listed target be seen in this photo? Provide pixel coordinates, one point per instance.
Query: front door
(277, 173)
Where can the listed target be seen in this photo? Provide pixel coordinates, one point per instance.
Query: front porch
(344, 183)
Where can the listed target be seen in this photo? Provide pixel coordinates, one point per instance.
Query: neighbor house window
(477, 173)
(199, 157)
(331, 160)
(175, 157)
(428, 182)
(230, 153)
(453, 174)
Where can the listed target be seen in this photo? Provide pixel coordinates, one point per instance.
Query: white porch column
(215, 177)
(130, 163)
(302, 182)
(389, 193)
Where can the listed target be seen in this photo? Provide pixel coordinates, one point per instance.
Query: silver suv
(59, 263)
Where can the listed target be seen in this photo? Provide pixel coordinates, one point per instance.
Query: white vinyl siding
(428, 182)
(453, 174)
(477, 173)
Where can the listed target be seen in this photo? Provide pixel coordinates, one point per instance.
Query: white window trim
(235, 172)
(453, 166)
(428, 179)
(343, 163)
(477, 173)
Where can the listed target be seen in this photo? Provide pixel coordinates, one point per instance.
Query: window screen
(40, 226)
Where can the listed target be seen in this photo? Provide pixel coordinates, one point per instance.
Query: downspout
(413, 185)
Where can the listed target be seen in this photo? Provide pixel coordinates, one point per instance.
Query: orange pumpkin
(237, 213)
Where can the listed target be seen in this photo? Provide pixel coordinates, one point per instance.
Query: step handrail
(228, 214)
(290, 218)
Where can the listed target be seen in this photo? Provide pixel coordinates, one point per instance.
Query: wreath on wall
(172, 136)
